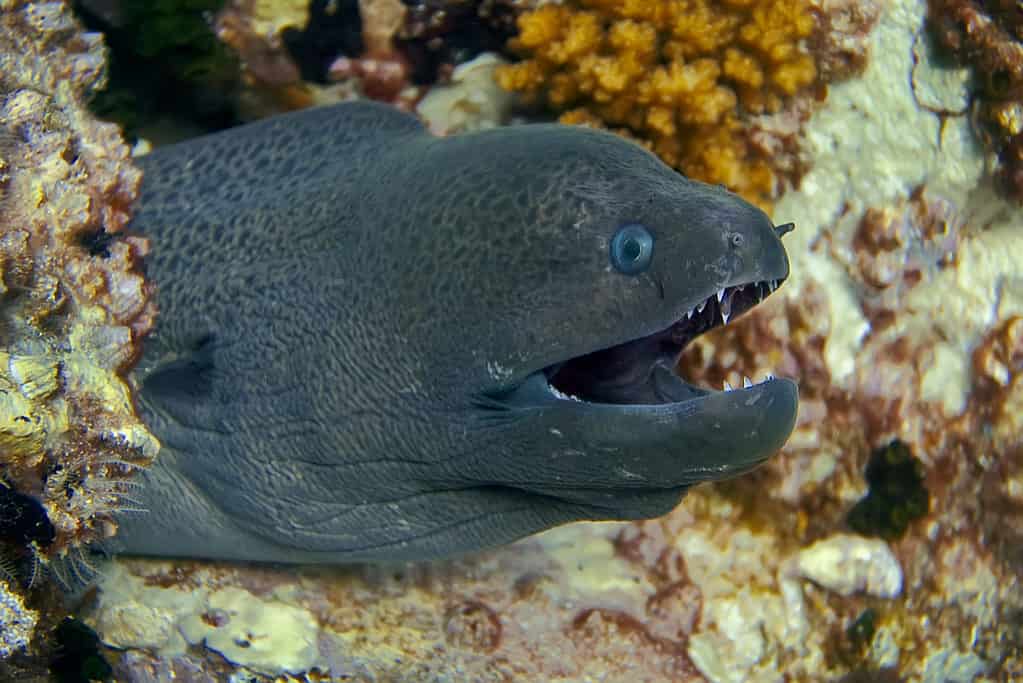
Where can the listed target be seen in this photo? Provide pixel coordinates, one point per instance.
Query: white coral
(849, 564)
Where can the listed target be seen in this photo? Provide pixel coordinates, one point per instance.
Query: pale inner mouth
(641, 371)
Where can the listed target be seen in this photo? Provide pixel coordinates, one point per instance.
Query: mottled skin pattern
(353, 314)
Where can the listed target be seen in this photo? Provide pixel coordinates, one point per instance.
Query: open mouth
(640, 372)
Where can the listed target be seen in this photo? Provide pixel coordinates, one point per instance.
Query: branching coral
(680, 75)
(988, 35)
(74, 305)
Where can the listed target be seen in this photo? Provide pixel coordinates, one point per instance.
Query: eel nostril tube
(784, 229)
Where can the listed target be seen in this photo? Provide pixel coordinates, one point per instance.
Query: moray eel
(375, 344)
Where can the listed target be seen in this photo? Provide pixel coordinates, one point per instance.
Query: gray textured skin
(352, 316)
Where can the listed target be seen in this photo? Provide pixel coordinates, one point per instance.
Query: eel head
(621, 265)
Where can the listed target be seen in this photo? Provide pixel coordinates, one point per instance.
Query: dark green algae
(165, 59)
(897, 495)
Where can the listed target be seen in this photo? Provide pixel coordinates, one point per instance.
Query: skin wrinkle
(360, 256)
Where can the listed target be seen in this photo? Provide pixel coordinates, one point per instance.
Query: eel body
(375, 344)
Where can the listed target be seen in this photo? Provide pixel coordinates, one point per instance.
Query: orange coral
(678, 75)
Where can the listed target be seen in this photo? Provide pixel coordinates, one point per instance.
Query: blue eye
(632, 249)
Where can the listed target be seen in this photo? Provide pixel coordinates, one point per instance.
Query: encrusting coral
(680, 75)
(74, 305)
(877, 452)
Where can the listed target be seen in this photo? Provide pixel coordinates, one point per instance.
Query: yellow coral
(678, 75)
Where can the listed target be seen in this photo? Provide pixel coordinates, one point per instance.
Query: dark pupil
(631, 249)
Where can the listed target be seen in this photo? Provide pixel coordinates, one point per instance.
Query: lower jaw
(661, 385)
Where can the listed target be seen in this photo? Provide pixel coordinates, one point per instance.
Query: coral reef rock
(74, 306)
(987, 35)
(296, 55)
(438, 35)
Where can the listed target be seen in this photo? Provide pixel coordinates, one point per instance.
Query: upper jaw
(725, 304)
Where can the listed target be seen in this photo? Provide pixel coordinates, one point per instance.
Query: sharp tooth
(689, 313)
(725, 305)
(721, 295)
(769, 377)
(746, 383)
(728, 387)
(773, 284)
(703, 305)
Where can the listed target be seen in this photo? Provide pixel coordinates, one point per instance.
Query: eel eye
(632, 249)
(737, 239)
